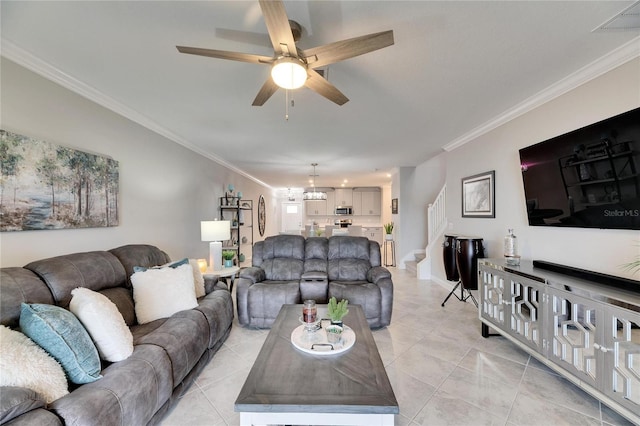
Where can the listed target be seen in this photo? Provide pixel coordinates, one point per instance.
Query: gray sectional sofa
(288, 269)
(168, 353)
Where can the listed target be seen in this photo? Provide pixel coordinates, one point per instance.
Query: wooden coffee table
(289, 386)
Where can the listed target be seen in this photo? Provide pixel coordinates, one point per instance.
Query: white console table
(587, 332)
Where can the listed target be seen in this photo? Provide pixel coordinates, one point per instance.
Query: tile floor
(442, 370)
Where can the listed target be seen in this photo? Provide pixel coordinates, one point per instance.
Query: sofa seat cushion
(361, 293)
(184, 337)
(129, 393)
(217, 308)
(266, 298)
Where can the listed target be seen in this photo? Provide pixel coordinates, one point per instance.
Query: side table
(389, 245)
(226, 273)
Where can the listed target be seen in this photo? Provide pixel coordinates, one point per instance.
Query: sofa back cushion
(143, 255)
(95, 270)
(348, 258)
(17, 286)
(374, 253)
(283, 257)
(316, 250)
(256, 255)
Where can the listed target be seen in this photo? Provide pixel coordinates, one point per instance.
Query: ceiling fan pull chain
(286, 104)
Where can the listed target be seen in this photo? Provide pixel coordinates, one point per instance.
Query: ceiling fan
(291, 67)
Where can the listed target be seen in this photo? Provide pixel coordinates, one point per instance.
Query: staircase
(436, 222)
(412, 265)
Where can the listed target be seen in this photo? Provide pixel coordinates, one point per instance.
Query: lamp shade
(215, 230)
(289, 73)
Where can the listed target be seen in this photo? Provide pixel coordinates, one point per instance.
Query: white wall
(415, 188)
(592, 249)
(165, 188)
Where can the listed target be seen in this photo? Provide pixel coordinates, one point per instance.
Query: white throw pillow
(198, 279)
(27, 365)
(160, 293)
(104, 322)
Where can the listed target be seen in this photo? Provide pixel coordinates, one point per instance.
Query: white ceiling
(455, 67)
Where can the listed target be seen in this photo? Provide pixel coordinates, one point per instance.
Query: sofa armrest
(211, 284)
(16, 401)
(253, 274)
(377, 273)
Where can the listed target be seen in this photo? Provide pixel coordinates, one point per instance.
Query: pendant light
(314, 195)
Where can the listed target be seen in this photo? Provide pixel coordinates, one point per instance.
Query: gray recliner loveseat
(288, 269)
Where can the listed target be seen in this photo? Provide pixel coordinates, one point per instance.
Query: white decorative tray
(316, 342)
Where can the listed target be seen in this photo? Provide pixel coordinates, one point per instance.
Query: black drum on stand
(469, 250)
(449, 257)
(466, 252)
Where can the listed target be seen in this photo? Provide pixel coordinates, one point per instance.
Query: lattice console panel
(493, 297)
(526, 310)
(625, 374)
(574, 335)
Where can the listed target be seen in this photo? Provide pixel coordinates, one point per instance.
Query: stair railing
(436, 215)
(436, 224)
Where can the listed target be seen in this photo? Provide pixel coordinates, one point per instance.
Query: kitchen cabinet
(316, 207)
(357, 203)
(343, 197)
(371, 203)
(587, 332)
(373, 233)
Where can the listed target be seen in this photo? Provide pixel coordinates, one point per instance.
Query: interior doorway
(291, 217)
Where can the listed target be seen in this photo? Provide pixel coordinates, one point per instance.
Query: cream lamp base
(215, 255)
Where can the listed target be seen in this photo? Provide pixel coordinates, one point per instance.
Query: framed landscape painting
(47, 186)
(478, 195)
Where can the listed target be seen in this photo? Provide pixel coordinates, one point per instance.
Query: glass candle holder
(309, 311)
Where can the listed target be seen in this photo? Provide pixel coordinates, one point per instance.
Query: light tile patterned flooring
(442, 370)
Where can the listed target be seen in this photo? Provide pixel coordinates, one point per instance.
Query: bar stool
(389, 244)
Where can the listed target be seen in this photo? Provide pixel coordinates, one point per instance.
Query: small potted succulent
(337, 310)
(228, 256)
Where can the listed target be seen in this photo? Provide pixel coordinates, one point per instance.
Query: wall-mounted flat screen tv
(587, 178)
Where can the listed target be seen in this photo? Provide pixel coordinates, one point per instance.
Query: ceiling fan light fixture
(289, 73)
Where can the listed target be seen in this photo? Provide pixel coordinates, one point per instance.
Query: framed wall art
(478, 195)
(48, 186)
(394, 206)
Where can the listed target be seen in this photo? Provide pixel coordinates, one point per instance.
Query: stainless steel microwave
(344, 210)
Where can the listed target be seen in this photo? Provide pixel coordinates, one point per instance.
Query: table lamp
(215, 231)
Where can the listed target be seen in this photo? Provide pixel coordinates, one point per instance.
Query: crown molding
(25, 59)
(604, 64)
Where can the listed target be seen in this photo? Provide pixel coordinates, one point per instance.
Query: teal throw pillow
(61, 334)
(173, 265)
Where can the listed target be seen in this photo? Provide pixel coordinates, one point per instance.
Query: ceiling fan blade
(223, 54)
(345, 49)
(275, 16)
(318, 84)
(267, 89)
